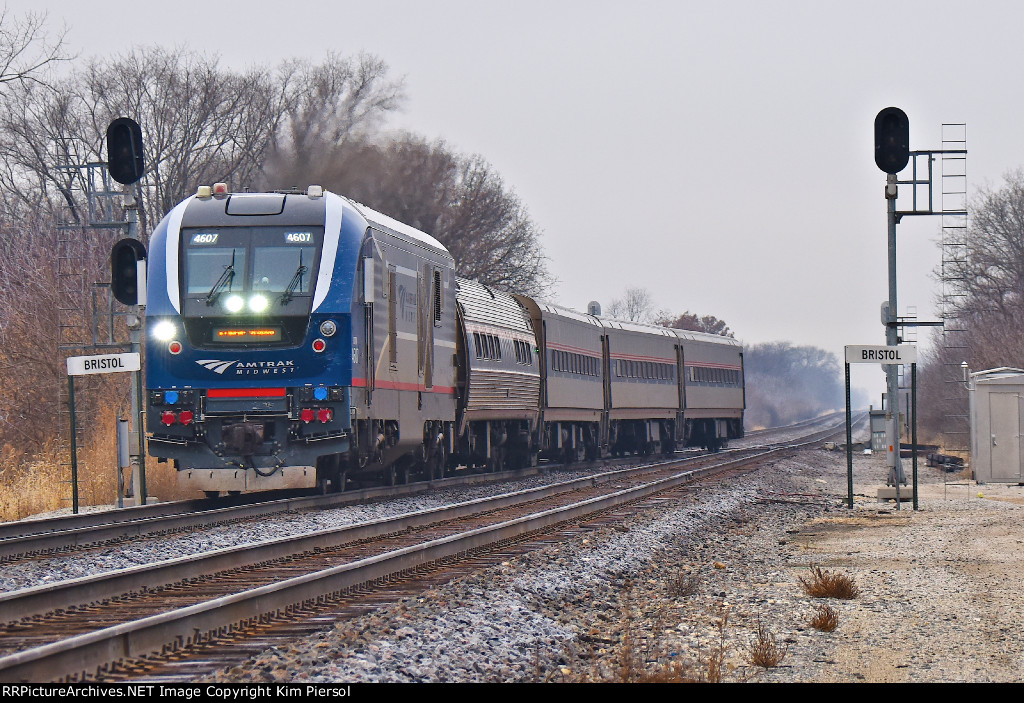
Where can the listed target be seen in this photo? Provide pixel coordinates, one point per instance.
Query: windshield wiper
(225, 280)
(295, 282)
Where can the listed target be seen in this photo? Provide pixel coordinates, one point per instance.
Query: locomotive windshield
(277, 261)
(245, 275)
(284, 271)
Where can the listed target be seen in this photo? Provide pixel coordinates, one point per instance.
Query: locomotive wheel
(437, 465)
(575, 454)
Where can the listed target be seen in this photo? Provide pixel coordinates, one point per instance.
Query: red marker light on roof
(220, 188)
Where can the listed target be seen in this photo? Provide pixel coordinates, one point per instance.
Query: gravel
(938, 594)
(50, 569)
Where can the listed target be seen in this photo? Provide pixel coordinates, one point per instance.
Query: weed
(765, 650)
(829, 584)
(684, 585)
(825, 618)
(712, 670)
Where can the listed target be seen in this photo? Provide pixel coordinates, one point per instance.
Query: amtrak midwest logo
(248, 368)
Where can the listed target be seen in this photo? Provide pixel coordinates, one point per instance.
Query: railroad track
(70, 533)
(29, 539)
(184, 607)
(823, 420)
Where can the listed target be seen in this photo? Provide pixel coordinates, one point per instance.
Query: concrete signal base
(889, 493)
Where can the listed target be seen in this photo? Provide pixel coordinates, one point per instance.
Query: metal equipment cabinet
(997, 414)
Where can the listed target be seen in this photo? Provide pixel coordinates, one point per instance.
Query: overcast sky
(719, 154)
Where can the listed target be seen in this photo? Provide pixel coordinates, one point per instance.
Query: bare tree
(324, 106)
(636, 305)
(40, 129)
(490, 233)
(992, 274)
(200, 122)
(30, 320)
(26, 50)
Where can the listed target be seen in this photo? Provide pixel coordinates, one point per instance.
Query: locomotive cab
(295, 340)
(247, 385)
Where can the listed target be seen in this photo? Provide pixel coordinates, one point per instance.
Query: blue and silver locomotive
(295, 338)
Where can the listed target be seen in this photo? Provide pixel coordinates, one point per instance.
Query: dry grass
(646, 653)
(829, 584)
(40, 482)
(709, 668)
(825, 618)
(713, 668)
(765, 651)
(29, 483)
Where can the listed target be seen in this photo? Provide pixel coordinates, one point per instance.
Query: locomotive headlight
(328, 328)
(234, 303)
(164, 330)
(258, 303)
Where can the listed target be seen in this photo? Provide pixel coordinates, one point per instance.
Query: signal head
(124, 151)
(124, 276)
(892, 140)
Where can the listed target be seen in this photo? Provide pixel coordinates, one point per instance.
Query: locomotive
(299, 340)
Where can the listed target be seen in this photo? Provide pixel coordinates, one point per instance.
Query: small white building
(997, 414)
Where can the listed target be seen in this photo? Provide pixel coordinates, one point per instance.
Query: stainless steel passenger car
(572, 393)
(713, 389)
(612, 387)
(498, 383)
(643, 387)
